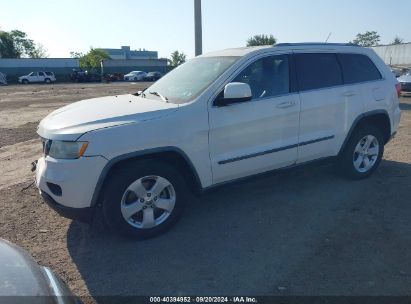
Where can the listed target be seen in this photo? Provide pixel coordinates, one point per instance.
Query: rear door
(41, 77)
(258, 135)
(362, 77)
(325, 104)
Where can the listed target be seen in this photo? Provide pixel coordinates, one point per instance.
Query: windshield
(189, 80)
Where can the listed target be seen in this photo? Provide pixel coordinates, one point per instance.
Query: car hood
(404, 78)
(71, 121)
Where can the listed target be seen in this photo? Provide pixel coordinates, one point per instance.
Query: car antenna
(328, 37)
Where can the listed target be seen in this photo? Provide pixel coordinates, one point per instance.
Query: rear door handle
(286, 104)
(349, 93)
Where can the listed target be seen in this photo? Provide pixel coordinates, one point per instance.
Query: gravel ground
(303, 231)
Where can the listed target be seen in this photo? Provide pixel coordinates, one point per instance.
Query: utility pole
(197, 28)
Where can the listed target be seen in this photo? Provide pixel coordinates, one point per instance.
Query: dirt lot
(299, 232)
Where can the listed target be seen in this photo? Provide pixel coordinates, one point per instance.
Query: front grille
(46, 146)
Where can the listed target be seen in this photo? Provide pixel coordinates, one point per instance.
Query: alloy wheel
(366, 153)
(148, 202)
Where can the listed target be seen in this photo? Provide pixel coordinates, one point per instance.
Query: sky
(167, 25)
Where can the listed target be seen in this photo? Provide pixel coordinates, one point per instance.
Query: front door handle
(286, 104)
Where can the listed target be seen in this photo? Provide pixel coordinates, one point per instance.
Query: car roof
(284, 47)
(236, 51)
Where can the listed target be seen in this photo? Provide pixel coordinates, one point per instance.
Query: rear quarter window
(317, 70)
(358, 68)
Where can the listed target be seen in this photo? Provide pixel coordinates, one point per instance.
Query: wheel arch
(172, 155)
(379, 118)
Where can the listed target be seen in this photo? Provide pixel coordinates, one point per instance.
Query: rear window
(49, 73)
(318, 70)
(358, 68)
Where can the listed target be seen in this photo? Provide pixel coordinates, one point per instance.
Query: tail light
(398, 88)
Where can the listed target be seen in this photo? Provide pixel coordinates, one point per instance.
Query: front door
(258, 135)
(33, 77)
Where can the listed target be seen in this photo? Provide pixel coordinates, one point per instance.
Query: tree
(397, 40)
(261, 40)
(7, 49)
(15, 44)
(22, 44)
(76, 55)
(92, 59)
(39, 52)
(177, 58)
(367, 39)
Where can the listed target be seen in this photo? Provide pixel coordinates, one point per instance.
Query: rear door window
(317, 71)
(358, 68)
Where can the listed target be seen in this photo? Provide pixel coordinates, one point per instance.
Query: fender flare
(357, 120)
(112, 162)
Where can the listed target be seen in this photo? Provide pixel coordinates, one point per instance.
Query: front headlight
(67, 149)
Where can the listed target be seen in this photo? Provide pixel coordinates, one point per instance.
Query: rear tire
(133, 204)
(47, 80)
(362, 154)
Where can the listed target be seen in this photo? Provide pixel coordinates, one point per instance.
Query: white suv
(218, 118)
(47, 77)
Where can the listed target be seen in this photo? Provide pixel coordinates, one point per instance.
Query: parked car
(84, 76)
(405, 81)
(3, 79)
(219, 117)
(396, 72)
(153, 76)
(135, 76)
(21, 277)
(114, 77)
(34, 77)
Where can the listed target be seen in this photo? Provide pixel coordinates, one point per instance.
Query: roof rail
(315, 43)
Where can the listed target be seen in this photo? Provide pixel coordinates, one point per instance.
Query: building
(126, 54)
(121, 61)
(125, 66)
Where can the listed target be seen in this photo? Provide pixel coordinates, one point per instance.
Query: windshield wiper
(140, 93)
(159, 95)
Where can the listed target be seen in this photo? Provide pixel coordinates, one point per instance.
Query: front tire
(362, 154)
(144, 199)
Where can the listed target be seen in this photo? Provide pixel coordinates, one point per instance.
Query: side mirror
(234, 92)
